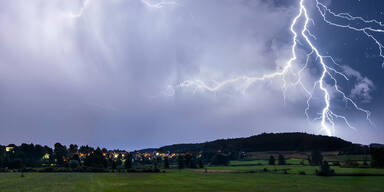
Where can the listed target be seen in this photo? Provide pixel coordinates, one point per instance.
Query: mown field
(226, 178)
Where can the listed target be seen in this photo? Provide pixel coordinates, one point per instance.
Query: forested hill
(268, 142)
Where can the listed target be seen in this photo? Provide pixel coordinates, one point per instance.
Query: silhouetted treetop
(267, 142)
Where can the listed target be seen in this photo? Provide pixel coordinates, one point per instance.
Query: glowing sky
(103, 72)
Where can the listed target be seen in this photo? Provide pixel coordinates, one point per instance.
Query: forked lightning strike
(82, 9)
(158, 4)
(149, 3)
(326, 116)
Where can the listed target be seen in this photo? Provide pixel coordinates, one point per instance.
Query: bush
(47, 169)
(220, 159)
(336, 163)
(79, 169)
(14, 164)
(74, 164)
(325, 170)
(28, 170)
(365, 165)
(201, 164)
(377, 154)
(4, 170)
(281, 160)
(351, 164)
(316, 158)
(271, 160)
(302, 173)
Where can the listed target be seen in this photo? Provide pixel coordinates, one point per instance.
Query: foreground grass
(185, 180)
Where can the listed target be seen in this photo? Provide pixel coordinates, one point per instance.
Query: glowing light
(326, 116)
(8, 149)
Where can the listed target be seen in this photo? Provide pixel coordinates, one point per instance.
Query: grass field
(192, 180)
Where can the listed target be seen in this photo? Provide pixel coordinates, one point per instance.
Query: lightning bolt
(326, 116)
(81, 11)
(158, 4)
(149, 3)
(366, 30)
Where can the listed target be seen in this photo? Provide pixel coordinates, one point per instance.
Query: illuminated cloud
(100, 77)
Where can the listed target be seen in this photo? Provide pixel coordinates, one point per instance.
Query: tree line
(31, 157)
(272, 142)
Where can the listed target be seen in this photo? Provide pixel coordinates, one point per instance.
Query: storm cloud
(96, 73)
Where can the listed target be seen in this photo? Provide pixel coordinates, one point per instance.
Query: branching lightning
(82, 9)
(149, 3)
(326, 116)
(158, 4)
(303, 37)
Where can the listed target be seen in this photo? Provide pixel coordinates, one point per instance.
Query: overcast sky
(106, 73)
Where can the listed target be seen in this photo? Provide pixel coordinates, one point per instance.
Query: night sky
(107, 73)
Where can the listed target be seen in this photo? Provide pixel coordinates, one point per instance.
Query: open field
(191, 180)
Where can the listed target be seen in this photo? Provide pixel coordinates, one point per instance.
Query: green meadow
(226, 178)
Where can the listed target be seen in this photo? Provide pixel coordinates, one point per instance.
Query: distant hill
(268, 142)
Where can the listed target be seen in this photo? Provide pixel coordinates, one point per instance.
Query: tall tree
(73, 148)
(201, 163)
(96, 159)
(316, 158)
(180, 162)
(60, 153)
(325, 170)
(86, 149)
(271, 160)
(377, 154)
(281, 159)
(128, 161)
(166, 163)
(2, 156)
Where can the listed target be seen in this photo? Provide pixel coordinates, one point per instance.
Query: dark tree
(201, 163)
(220, 159)
(75, 157)
(86, 149)
(180, 162)
(113, 165)
(2, 156)
(29, 154)
(272, 160)
(60, 153)
(377, 153)
(325, 170)
(96, 159)
(155, 164)
(128, 161)
(316, 158)
(268, 142)
(190, 161)
(73, 148)
(14, 164)
(49, 151)
(166, 163)
(74, 164)
(281, 159)
(351, 164)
